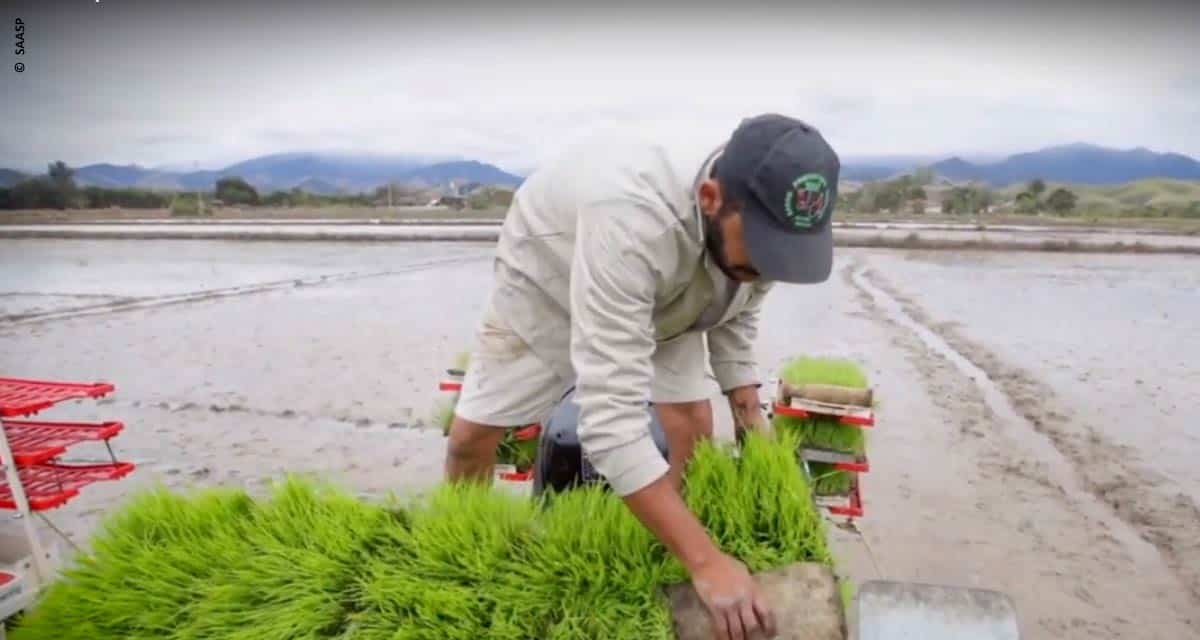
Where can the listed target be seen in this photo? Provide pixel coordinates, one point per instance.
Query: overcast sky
(211, 83)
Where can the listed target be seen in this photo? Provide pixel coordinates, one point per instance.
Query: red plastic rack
(853, 507)
(865, 419)
(51, 485)
(31, 479)
(454, 382)
(840, 461)
(34, 444)
(21, 397)
(37, 442)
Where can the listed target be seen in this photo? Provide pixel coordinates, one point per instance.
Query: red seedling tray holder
(852, 510)
(797, 412)
(840, 461)
(854, 467)
(454, 382)
(37, 442)
(21, 397)
(530, 432)
(517, 476)
(51, 485)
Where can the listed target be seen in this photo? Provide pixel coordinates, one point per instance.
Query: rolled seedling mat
(825, 433)
(805, 597)
(825, 394)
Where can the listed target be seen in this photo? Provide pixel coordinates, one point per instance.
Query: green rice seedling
(443, 409)
(438, 576)
(146, 564)
(291, 584)
(443, 413)
(827, 480)
(591, 571)
(463, 562)
(824, 433)
(758, 506)
(814, 370)
(462, 360)
(514, 451)
(847, 590)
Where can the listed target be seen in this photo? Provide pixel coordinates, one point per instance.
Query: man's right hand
(738, 609)
(733, 599)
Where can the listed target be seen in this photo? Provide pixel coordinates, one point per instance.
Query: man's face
(723, 234)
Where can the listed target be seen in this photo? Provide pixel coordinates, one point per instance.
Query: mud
(933, 237)
(1120, 476)
(1012, 242)
(1080, 553)
(338, 378)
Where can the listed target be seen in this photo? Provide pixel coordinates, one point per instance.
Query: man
(615, 262)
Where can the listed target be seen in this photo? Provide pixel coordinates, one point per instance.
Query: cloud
(213, 83)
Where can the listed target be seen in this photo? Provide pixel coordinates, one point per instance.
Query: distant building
(454, 202)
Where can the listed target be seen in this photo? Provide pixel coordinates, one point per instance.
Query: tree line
(909, 193)
(57, 189)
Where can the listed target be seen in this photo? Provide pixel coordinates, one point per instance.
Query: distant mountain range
(1075, 163)
(1072, 163)
(331, 173)
(314, 172)
(9, 177)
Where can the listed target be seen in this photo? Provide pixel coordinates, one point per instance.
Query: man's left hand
(747, 411)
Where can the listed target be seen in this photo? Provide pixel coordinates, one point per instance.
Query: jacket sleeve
(731, 345)
(621, 256)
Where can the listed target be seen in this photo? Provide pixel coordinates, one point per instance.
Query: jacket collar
(704, 172)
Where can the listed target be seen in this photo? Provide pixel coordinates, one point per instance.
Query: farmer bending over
(614, 263)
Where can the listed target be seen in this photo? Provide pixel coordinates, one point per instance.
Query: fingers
(720, 625)
(734, 619)
(766, 616)
(749, 619)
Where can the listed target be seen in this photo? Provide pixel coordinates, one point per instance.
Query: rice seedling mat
(313, 562)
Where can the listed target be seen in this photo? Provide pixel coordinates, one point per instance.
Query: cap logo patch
(807, 200)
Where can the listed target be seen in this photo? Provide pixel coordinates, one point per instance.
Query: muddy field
(898, 235)
(1033, 430)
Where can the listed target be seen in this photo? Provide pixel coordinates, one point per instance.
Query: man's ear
(709, 196)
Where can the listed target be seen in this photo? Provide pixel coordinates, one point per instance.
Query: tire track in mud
(412, 421)
(1108, 472)
(1079, 565)
(140, 303)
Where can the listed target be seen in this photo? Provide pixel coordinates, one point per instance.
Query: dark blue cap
(785, 176)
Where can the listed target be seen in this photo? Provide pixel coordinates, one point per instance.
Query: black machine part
(560, 462)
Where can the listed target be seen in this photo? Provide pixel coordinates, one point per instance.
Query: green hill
(1151, 192)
